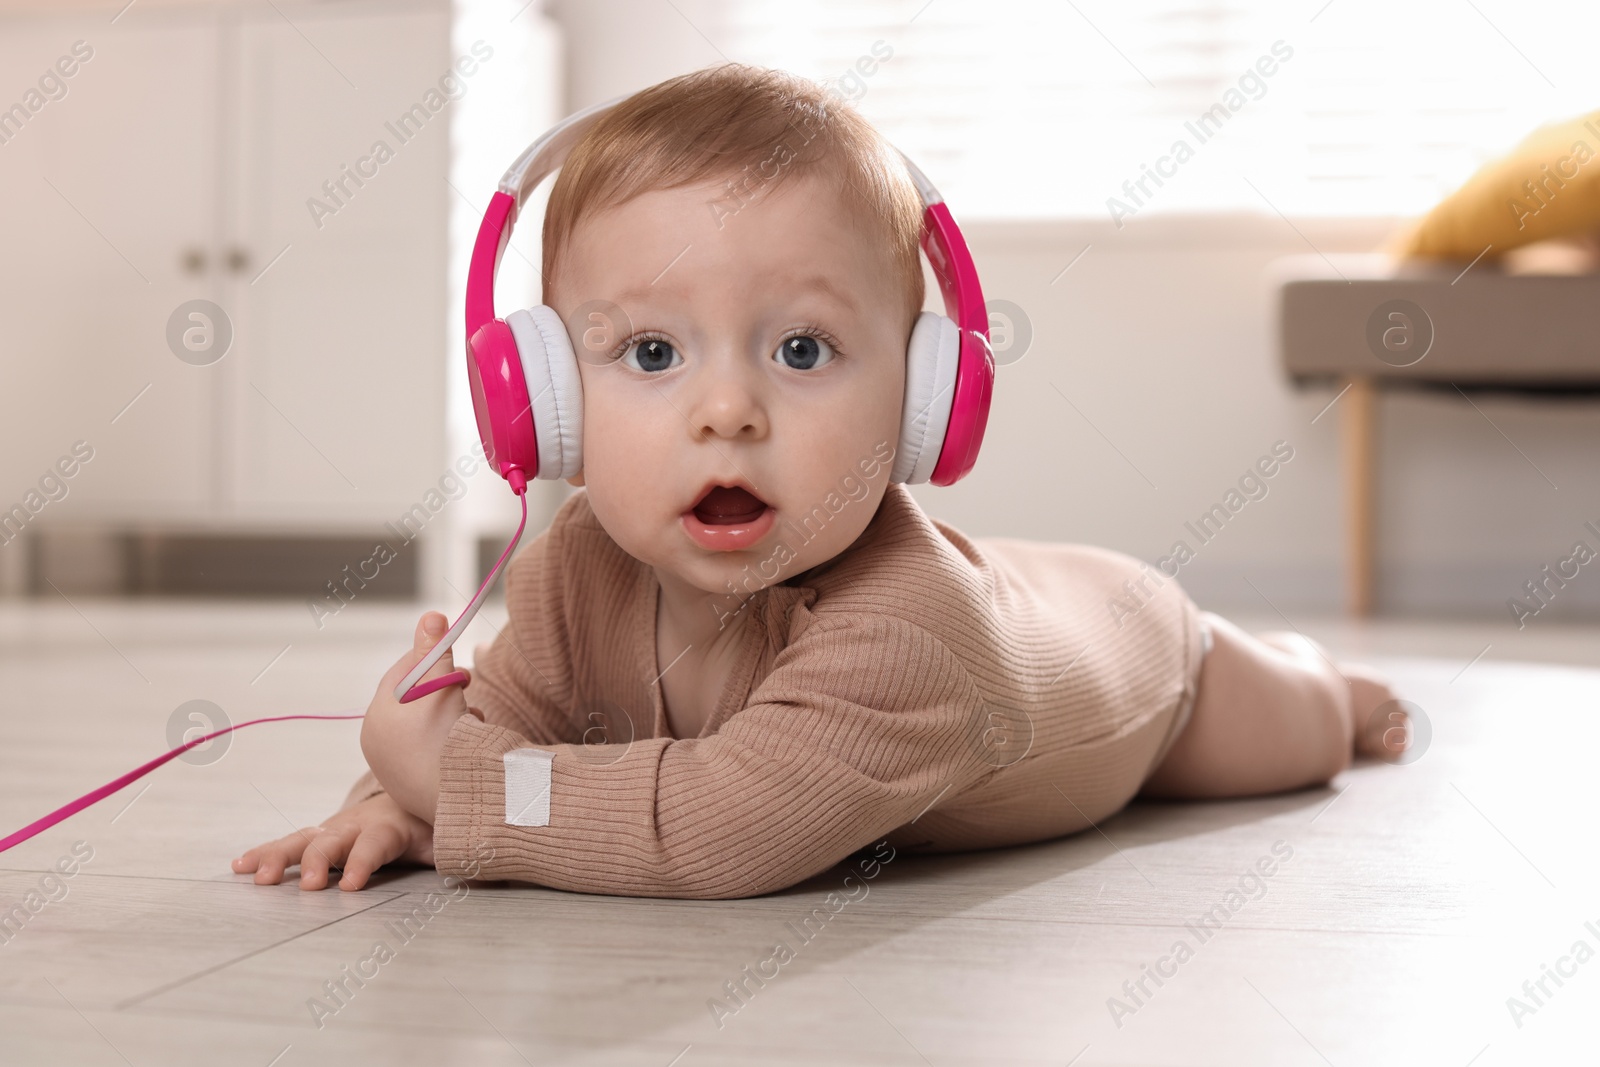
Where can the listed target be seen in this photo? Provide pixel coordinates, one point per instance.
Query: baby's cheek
(615, 442)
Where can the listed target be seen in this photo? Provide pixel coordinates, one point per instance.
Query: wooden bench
(1362, 323)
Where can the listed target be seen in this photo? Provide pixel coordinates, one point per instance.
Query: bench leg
(1360, 451)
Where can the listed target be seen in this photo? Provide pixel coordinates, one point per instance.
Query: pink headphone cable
(134, 775)
(411, 686)
(404, 693)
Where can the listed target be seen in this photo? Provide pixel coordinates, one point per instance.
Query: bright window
(1045, 109)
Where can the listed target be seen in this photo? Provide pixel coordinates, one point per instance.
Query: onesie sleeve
(518, 679)
(864, 721)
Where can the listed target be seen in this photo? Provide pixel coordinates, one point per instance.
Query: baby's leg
(1272, 713)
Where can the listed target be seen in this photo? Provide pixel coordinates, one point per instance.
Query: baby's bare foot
(1382, 726)
(1379, 725)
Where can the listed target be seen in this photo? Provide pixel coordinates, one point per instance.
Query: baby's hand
(403, 742)
(359, 839)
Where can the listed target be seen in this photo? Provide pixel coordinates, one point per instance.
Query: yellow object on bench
(1547, 187)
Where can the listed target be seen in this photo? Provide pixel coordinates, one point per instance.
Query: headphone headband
(546, 154)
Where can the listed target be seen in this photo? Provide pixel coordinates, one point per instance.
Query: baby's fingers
(378, 844)
(325, 849)
(270, 860)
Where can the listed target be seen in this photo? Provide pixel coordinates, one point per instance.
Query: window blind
(1045, 109)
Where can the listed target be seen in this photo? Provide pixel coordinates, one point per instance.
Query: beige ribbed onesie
(939, 691)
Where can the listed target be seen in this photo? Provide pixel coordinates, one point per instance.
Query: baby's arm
(861, 724)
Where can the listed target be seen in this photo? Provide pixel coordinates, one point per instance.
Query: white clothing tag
(527, 786)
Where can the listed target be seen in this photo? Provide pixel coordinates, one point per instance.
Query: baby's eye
(652, 355)
(803, 352)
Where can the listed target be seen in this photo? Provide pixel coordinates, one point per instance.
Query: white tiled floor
(1416, 901)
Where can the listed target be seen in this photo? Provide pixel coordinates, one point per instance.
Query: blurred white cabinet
(183, 162)
(100, 190)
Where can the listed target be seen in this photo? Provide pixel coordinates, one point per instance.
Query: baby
(742, 652)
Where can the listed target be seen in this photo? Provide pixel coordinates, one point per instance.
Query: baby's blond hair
(753, 127)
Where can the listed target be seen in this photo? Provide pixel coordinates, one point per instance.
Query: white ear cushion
(932, 357)
(554, 387)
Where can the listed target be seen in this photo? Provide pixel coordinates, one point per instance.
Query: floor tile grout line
(130, 1002)
(1059, 921)
(376, 1029)
(1178, 924)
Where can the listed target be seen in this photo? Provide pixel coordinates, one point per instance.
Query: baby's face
(766, 353)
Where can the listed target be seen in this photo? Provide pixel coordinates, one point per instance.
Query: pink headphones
(524, 375)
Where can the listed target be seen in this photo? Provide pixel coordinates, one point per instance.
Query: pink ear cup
(500, 402)
(494, 369)
(963, 300)
(969, 411)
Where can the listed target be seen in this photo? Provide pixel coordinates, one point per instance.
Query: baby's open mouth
(728, 506)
